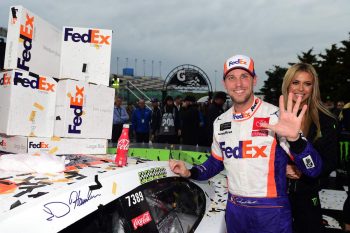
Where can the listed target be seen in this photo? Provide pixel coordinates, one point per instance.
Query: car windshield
(165, 205)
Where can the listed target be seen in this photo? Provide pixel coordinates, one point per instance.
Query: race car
(94, 195)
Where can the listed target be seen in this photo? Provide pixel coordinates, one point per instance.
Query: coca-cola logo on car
(141, 220)
(123, 144)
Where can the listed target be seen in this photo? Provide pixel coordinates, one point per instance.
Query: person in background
(344, 118)
(155, 119)
(130, 109)
(215, 109)
(202, 133)
(178, 102)
(189, 118)
(141, 119)
(169, 130)
(346, 207)
(339, 106)
(120, 117)
(329, 104)
(251, 142)
(319, 126)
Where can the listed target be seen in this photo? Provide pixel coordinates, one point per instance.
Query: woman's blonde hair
(314, 102)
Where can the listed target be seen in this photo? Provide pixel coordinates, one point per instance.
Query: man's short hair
(220, 95)
(190, 98)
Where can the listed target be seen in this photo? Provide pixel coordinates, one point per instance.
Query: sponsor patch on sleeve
(309, 163)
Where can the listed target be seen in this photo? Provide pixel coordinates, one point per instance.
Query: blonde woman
(319, 126)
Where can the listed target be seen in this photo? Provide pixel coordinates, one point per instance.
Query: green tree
(309, 57)
(330, 73)
(272, 86)
(332, 66)
(344, 79)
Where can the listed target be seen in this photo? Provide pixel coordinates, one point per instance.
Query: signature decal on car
(58, 209)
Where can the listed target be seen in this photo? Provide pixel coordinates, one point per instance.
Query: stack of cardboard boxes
(54, 96)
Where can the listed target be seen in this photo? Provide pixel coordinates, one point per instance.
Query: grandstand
(143, 83)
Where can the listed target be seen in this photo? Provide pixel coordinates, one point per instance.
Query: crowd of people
(276, 158)
(179, 120)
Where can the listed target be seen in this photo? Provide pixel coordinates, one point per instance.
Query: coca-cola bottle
(122, 147)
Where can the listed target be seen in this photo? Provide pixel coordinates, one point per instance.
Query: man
(170, 123)
(178, 102)
(215, 109)
(120, 117)
(189, 118)
(141, 119)
(246, 145)
(155, 119)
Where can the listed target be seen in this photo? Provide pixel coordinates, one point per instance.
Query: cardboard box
(13, 144)
(86, 54)
(32, 43)
(53, 145)
(83, 110)
(27, 105)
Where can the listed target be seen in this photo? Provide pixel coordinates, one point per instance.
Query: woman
(344, 119)
(320, 127)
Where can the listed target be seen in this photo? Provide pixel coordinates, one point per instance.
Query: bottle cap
(125, 125)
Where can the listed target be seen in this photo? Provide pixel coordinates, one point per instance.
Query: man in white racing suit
(253, 141)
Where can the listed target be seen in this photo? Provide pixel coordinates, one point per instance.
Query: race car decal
(25, 186)
(61, 208)
(152, 174)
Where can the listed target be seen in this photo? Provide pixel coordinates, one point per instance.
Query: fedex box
(83, 110)
(27, 104)
(13, 144)
(32, 43)
(53, 145)
(86, 54)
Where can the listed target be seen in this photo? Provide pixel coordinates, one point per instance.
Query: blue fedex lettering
(239, 61)
(93, 36)
(76, 103)
(243, 150)
(26, 34)
(39, 83)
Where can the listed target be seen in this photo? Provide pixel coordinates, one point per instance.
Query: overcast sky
(202, 32)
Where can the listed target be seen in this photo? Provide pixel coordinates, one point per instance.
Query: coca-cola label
(258, 130)
(141, 220)
(123, 144)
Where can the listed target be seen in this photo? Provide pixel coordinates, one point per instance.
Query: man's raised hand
(289, 122)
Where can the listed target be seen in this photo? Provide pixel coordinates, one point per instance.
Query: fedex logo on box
(92, 36)
(76, 103)
(26, 34)
(38, 145)
(33, 81)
